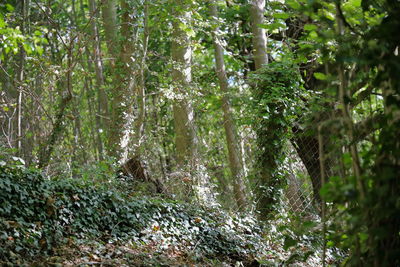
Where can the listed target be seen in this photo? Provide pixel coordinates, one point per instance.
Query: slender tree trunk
(115, 52)
(48, 147)
(185, 136)
(259, 36)
(343, 96)
(21, 74)
(186, 141)
(122, 92)
(92, 115)
(79, 154)
(19, 101)
(102, 102)
(263, 193)
(141, 88)
(109, 13)
(235, 162)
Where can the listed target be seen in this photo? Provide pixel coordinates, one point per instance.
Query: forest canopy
(253, 132)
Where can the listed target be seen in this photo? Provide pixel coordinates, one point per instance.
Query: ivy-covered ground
(70, 222)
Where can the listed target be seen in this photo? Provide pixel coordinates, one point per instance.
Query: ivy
(38, 215)
(278, 95)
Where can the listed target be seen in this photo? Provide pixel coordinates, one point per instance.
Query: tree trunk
(20, 75)
(123, 84)
(266, 181)
(343, 96)
(102, 102)
(307, 149)
(186, 140)
(109, 14)
(235, 163)
(141, 87)
(48, 147)
(259, 36)
(185, 136)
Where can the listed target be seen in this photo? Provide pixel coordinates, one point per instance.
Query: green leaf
(2, 22)
(330, 244)
(313, 35)
(310, 27)
(190, 32)
(273, 26)
(355, 3)
(39, 50)
(281, 15)
(293, 4)
(320, 76)
(10, 8)
(289, 242)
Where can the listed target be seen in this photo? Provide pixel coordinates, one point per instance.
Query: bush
(39, 215)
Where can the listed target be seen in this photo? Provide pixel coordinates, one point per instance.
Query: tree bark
(343, 96)
(123, 84)
(102, 102)
(141, 87)
(109, 14)
(48, 147)
(259, 36)
(235, 162)
(21, 74)
(266, 180)
(186, 140)
(185, 136)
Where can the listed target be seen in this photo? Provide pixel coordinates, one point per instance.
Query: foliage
(278, 95)
(38, 215)
(66, 84)
(12, 37)
(356, 43)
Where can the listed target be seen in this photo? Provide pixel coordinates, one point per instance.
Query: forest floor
(97, 253)
(70, 222)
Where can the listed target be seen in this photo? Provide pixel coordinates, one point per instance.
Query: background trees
(302, 89)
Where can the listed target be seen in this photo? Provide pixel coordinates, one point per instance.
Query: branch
(345, 22)
(362, 96)
(371, 124)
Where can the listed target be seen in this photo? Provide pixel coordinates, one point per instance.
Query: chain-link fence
(303, 163)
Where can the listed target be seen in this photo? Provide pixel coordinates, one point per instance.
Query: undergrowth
(38, 216)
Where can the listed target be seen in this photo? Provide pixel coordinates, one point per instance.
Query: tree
(259, 36)
(102, 101)
(186, 139)
(109, 15)
(181, 53)
(266, 188)
(235, 159)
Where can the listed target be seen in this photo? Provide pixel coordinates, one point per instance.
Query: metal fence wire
(303, 166)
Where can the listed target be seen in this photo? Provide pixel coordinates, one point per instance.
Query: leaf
(10, 8)
(320, 76)
(293, 4)
(272, 26)
(281, 15)
(313, 35)
(190, 32)
(310, 27)
(18, 159)
(2, 22)
(355, 3)
(289, 242)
